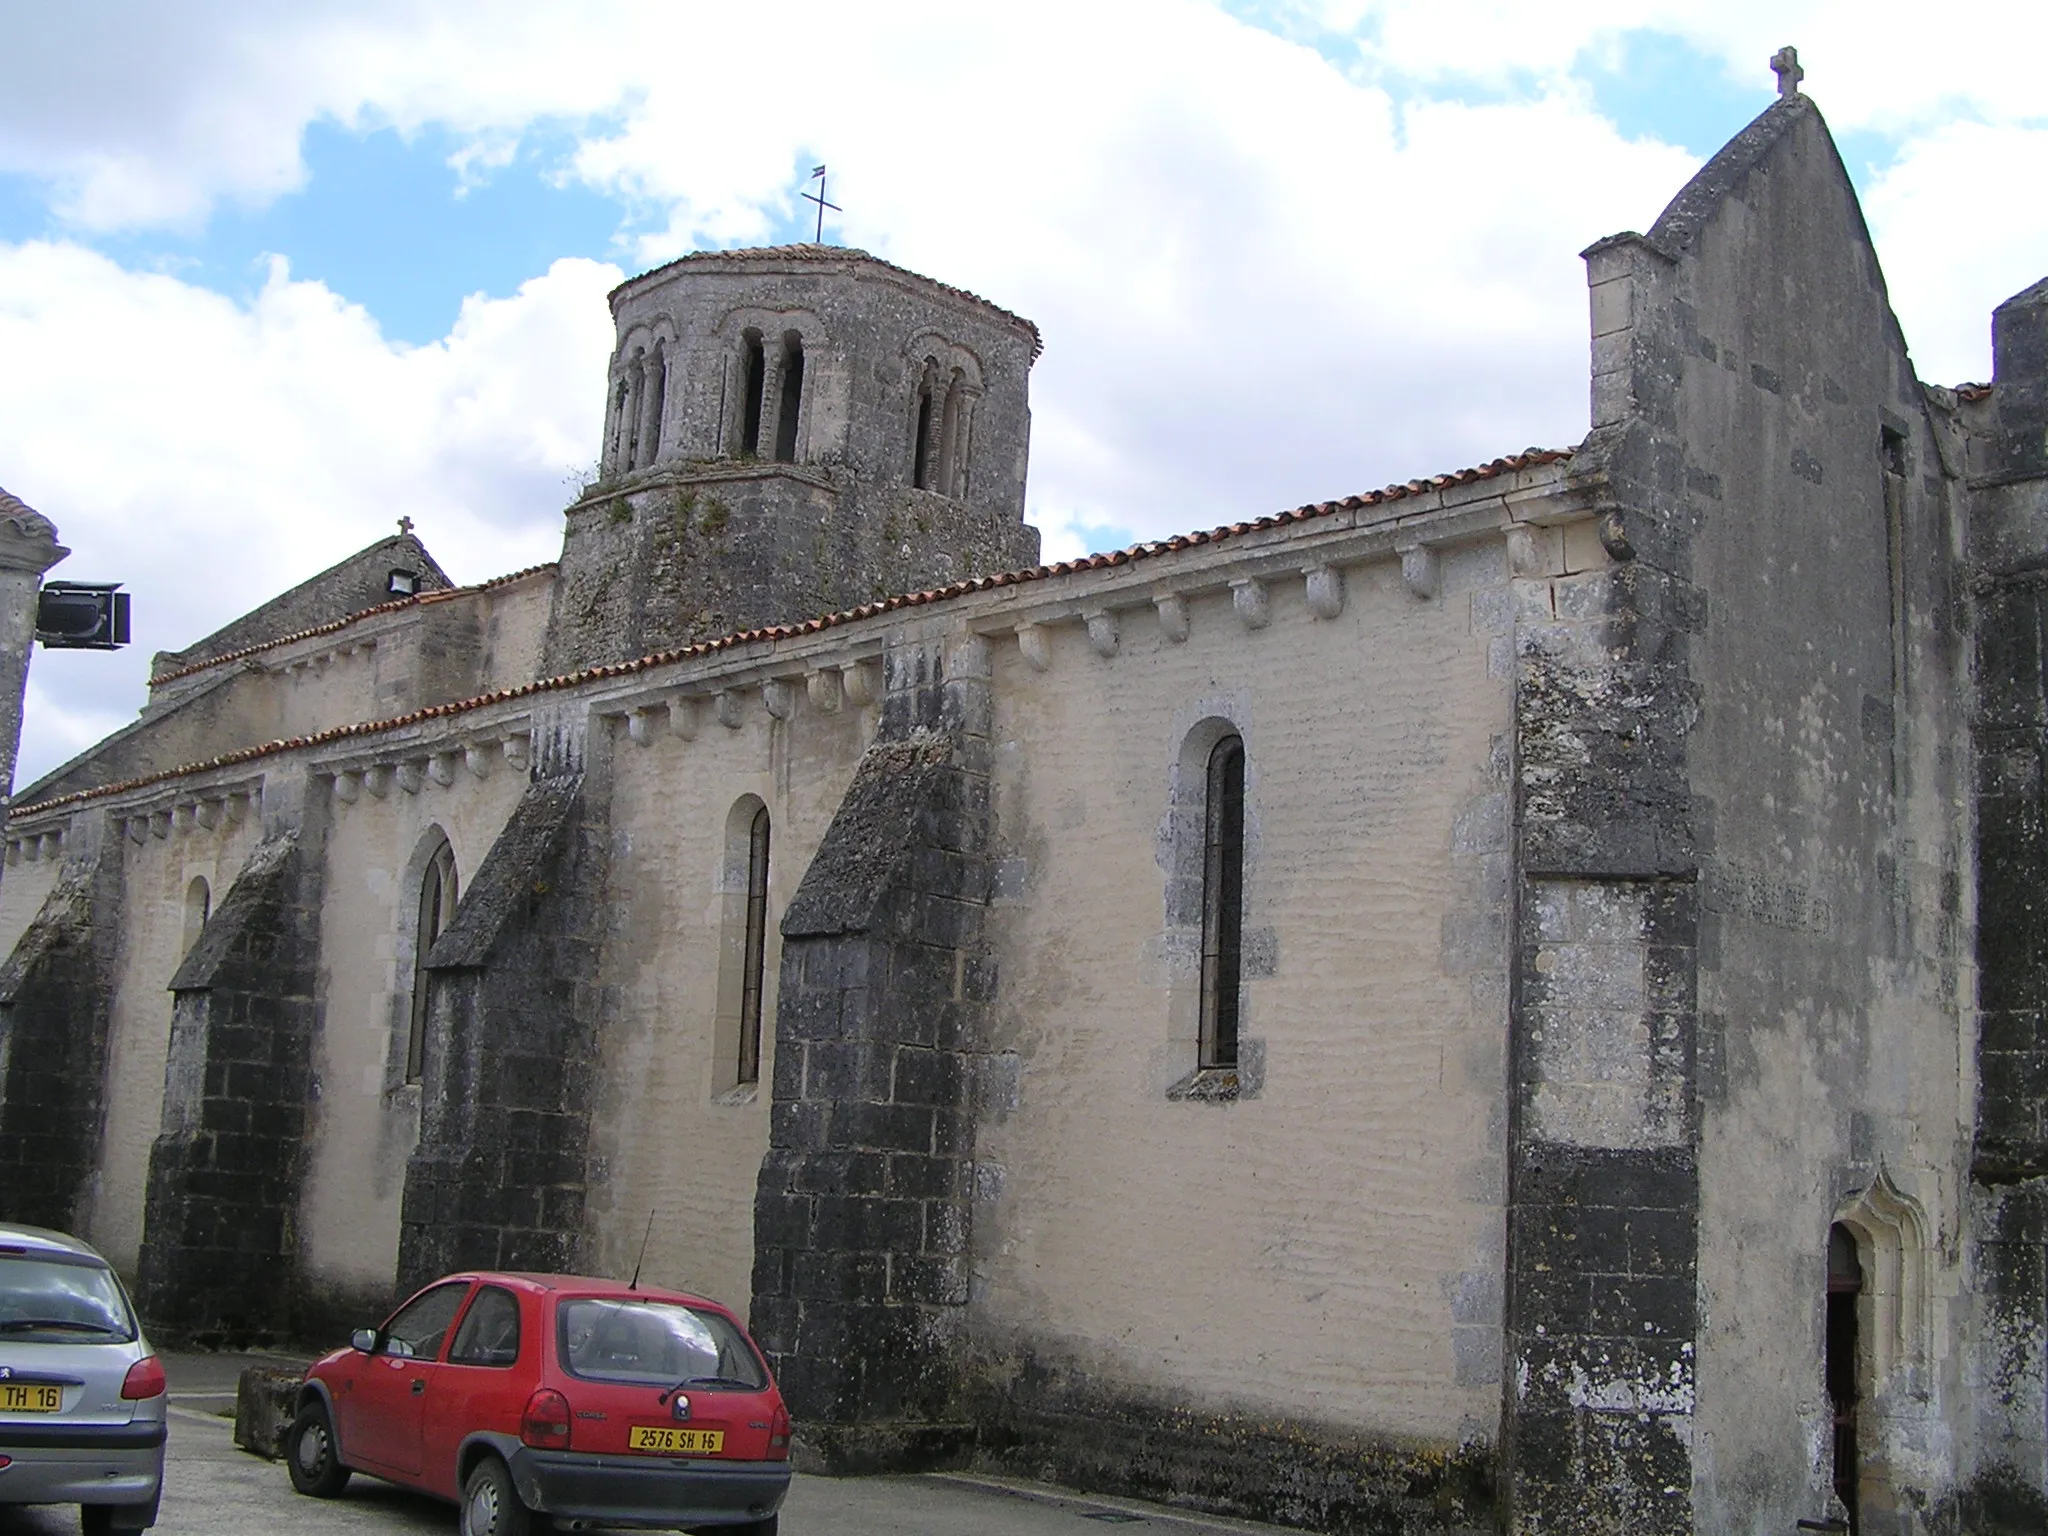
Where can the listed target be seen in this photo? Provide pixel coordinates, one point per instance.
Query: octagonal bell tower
(789, 432)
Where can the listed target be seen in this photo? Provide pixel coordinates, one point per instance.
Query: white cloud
(1946, 264)
(1883, 64)
(210, 454)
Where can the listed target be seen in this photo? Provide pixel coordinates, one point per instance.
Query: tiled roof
(14, 509)
(1973, 392)
(1529, 459)
(439, 595)
(825, 253)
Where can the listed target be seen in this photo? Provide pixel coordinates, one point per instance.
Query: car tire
(490, 1504)
(766, 1527)
(107, 1519)
(310, 1455)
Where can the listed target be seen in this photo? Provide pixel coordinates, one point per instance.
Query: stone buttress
(56, 1001)
(861, 1221)
(217, 1263)
(498, 1178)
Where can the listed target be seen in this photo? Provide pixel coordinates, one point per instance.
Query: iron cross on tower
(1785, 65)
(818, 197)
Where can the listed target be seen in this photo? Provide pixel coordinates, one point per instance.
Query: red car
(587, 1401)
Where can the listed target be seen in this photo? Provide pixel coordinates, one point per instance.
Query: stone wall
(1604, 1179)
(2009, 1169)
(1743, 847)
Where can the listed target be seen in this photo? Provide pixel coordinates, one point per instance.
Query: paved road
(213, 1489)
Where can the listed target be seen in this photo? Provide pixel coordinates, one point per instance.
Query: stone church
(1508, 1002)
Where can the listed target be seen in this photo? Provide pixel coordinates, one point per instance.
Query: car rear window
(56, 1298)
(657, 1342)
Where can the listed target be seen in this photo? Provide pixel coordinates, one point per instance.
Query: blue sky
(1281, 250)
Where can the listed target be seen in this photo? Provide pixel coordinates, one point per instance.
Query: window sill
(743, 1093)
(1209, 1085)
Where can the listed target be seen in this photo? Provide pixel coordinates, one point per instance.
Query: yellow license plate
(677, 1442)
(30, 1397)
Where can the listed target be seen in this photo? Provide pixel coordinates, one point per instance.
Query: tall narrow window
(754, 379)
(921, 454)
(754, 958)
(792, 398)
(198, 908)
(437, 905)
(1222, 903)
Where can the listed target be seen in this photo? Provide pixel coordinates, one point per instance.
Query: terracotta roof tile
(438, 595)
(1528, 459)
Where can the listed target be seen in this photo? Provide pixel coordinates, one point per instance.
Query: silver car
(81, 1392)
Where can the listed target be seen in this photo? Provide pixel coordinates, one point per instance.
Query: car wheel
(490, 1504)
(309, 1454)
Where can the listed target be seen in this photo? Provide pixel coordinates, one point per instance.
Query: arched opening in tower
(754, 365)
(792, 398)
(921, 454)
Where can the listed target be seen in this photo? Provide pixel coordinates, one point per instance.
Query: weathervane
(1785, 65)
(819, 198)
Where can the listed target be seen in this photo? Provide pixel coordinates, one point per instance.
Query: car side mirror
(364, 1339)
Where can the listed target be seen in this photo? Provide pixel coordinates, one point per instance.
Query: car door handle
(419, 1385)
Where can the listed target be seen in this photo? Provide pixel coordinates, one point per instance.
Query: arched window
(198, 908)
(1222, 902)
(756, 948)
(743, 947)
(436, 906)
(753, 382)
(791, 397)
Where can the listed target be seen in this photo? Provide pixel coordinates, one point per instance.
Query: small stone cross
(1785, 64)
(404, 526)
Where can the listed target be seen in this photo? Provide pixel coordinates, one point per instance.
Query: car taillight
(145, 1379)
(778, 1435)
(545, 1424)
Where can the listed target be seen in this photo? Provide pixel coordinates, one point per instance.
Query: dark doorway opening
(1845, 1291)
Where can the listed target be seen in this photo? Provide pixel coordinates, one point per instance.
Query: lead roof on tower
(823, 254)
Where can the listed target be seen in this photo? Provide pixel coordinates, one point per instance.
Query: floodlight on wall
(82, 616)
(402, 583)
